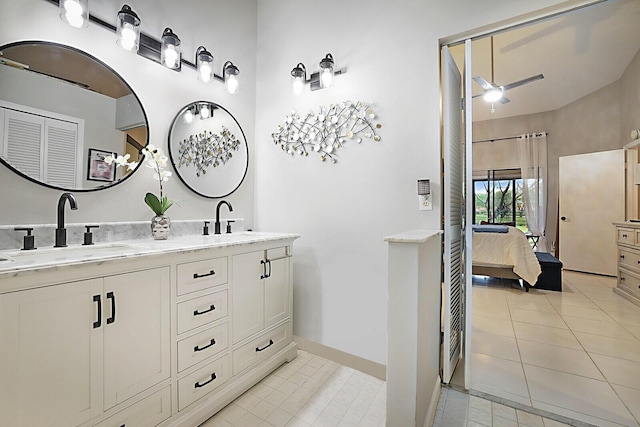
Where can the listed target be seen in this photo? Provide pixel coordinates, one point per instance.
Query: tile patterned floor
(575, 353)
(309, 391)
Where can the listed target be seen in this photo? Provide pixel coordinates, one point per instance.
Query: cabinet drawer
(277, 253)
(197, 384)
(260, 348)
(626, 235)
(202, 345)
(194, 276)
(148, 412)
(202, 310)
(629, 281)
(628, 258)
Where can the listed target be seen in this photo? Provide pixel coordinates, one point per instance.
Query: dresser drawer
(628, 258)
(198, 275)
(260, 348)
(626, 236)
(629, 281)
(202, 345)
(148, 412)
(202, 310)
(202, 381)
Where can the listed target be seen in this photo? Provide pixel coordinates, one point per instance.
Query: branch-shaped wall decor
(207, 149)
(327, 130)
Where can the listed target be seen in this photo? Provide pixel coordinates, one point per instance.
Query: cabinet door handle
(198, 276)
(198, 313)
(622, 278)
(98, 323)
(265, 347)
(112, 297)
(198, 385)
(213, 342)
(269, 262)
(264, 269)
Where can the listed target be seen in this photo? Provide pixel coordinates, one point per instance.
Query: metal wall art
(207, 149)
(327, 131)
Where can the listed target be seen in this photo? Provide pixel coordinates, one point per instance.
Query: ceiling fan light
(493, 94)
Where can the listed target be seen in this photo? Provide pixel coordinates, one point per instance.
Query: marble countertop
(413, 236)
(12, 261)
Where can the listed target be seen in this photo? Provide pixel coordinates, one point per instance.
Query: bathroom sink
(79, 252)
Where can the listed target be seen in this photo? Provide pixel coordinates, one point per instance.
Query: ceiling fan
(493, 92)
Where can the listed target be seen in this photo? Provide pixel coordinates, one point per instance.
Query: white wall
(227, 29)
(343, 211)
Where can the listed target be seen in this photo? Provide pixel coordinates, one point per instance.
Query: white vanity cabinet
(165, 335)
(71, 351)
(628, 240)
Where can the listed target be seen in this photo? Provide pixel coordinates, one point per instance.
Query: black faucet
(217, 224)
(61, 232)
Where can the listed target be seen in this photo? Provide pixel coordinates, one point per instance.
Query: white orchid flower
(122, 160)
(131, 165)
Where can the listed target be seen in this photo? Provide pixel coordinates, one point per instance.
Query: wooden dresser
(628, 239)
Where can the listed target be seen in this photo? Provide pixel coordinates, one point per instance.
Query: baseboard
(433, 405)
(369, 367)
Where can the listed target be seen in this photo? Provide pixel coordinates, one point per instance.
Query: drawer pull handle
(265, 347)
(198, 385)
(624, 236)
(198, 313)
(213, 342)
(198, 276)
(264, 263)
(98, 323)
(621, 278)
(622, 257)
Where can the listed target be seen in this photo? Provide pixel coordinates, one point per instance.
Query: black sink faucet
(61, 232)
(217, 224)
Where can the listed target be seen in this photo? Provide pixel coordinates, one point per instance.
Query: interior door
(591, 197)
(453, 214)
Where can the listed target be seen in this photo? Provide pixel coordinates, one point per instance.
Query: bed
(501, 254)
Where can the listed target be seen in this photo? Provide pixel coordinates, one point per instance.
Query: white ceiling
(578, 53)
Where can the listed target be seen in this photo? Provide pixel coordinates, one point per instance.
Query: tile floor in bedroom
(574, 353)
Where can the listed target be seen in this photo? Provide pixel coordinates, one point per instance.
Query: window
(497, 198)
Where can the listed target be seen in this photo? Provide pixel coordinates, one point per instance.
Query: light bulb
(188, 116)
(205, 72)
(493, 94)
(205, 113)
(127, 37)
(171, 57)
(297, 85)
(327, 77)
(76, 21)
(232, 84)
(73, 7)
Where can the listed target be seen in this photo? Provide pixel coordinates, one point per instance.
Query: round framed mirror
(61, 112)
(208, 149)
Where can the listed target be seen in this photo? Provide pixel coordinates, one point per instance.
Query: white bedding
(507, 249)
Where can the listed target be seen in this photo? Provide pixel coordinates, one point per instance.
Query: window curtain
(532, 150)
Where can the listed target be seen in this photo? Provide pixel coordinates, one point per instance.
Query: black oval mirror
(61, 112)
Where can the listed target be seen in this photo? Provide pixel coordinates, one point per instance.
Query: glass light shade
(298, 79)
(204, 64)
(75, 12)
(188, 116)
(326, 71)
(205, 112)
(128, 29)
(170, 53)
(230, 73)
(492, 95)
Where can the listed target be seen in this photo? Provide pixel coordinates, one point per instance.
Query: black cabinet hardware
(112, 297)
(98, 323)
(198, 313)
(265, 347)
(622, 257)
(264, 264)
(624, 236)
(198, 276)
(198, 385)
(213, 342)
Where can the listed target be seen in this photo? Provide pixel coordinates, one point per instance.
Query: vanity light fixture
(75, 12)
(230, 77)
(170, 53)
(128, 29)
(204, 64)
(318, 80)
(298, 78)
(205, 112)
(326, 71)
(188, 116)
